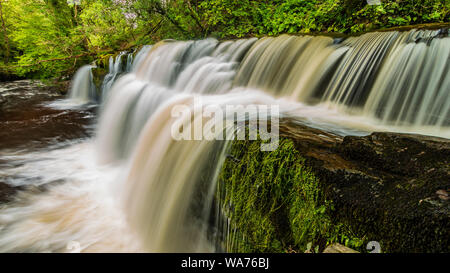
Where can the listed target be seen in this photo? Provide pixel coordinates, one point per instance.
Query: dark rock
(61, 87)
(99, 74)
(388, 186)
(6, 192)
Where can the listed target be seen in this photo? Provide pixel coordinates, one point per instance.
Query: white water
(137, 189)
(82, 89)
(115, 68)
(75, 202)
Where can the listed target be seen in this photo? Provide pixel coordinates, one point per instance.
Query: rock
(98, 74)
(6, 192)
(338, 248)
(386, 187)
(442, 194)
(377, 183)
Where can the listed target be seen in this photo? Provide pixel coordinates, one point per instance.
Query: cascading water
(83, 88)
(129, 66)
(140, 55)
(164, 187)
(115, 68)
(395, 78)
(205, 69)
(416, 92)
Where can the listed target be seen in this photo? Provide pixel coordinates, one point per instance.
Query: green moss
(98, 74)
(274, 202)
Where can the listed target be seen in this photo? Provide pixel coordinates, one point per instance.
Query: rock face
(389, 193)
(385, 187)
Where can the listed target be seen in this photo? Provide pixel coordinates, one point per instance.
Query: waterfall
(129, 62)
(140, 55)
(415, 91)
(82, 87)
(115, 68)
(170, 69)
(165, 188)
(352, 75)
(168, 198)
(171, 183)
(397, 79)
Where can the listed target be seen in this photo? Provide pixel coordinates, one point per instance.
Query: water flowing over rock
(82, 89)
(115, 68)
(332, 93)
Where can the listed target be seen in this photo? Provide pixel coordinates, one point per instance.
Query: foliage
(230, 18)
(106, 25)
(51, 38)
(40, 30)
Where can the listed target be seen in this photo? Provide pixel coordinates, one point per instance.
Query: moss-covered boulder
(98, 74)
(318, 188)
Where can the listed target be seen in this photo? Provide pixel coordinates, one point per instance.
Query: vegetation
(275, 203)
(51, 38)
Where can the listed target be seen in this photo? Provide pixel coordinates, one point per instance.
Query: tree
(5, 34)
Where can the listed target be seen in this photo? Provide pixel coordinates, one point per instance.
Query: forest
(52, 38)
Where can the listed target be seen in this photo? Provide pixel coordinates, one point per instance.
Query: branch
(53, 60)
(195, 16)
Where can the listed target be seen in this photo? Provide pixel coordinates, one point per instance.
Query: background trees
(51, 38)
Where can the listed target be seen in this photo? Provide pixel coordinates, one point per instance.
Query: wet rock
(6, 192)
(61, 87)
(99, 74)
(442, 194)
(385, 187)
(388, 186)
(338, 248)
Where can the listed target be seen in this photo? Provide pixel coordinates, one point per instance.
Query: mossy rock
(274, 202)
(98, 74)
(318, 188)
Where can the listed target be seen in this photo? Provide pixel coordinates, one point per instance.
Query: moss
(98, 74)
(274, 202)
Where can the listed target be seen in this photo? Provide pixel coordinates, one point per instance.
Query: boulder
(386, 187)
(338, 248)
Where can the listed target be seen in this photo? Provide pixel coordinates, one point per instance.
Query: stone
(442, 194)
(338, 248)
(388, 186)
(6, 192)
(391, 188)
